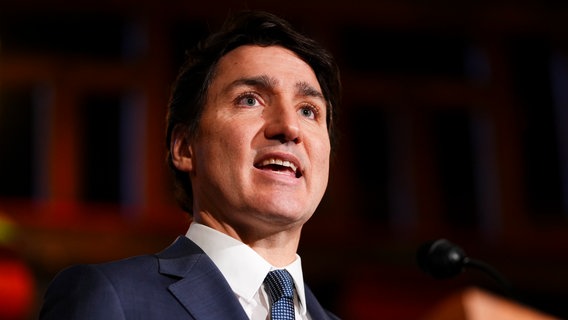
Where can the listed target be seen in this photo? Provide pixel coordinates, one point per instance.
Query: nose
(282, 123)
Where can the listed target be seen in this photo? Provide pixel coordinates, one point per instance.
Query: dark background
(453, 126)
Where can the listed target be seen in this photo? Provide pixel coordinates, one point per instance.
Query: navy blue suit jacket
(181, 282)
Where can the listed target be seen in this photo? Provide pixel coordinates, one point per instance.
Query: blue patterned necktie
(280, 288)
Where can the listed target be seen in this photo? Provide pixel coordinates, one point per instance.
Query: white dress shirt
(245, 271)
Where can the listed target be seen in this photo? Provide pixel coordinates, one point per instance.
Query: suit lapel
(202, 289)
(316, 311)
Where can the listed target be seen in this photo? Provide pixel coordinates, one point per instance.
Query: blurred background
(454, 125)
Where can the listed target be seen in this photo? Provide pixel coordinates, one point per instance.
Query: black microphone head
(441, 258)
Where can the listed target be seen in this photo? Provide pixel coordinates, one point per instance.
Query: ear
(180, 149)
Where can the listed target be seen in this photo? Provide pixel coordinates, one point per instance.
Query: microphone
(443, 259)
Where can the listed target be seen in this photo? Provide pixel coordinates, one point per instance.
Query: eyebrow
(262, 81)
(308, 90)
(266, 82)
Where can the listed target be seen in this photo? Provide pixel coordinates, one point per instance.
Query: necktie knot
(280, 289)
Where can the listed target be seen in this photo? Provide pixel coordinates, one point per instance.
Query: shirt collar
(242, 267)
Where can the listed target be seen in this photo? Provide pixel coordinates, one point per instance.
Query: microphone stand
(491, 272)
(443, 259)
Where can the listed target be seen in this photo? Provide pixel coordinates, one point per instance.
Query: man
(250, 135)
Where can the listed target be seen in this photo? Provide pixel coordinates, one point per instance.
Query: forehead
(275, 61)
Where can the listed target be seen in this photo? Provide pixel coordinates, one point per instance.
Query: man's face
(260, 159)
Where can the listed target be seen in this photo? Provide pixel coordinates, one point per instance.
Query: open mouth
(279, 165)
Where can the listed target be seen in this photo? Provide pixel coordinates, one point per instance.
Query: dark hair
(194, 78)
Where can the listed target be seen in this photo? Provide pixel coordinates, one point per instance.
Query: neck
(276, 244)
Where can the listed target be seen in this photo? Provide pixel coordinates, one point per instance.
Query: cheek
(321, 158)
(223, 147)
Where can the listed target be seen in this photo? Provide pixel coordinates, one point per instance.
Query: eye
(308, 111)
(247, 99)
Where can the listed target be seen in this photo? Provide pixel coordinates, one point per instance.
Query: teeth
(280, 162)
